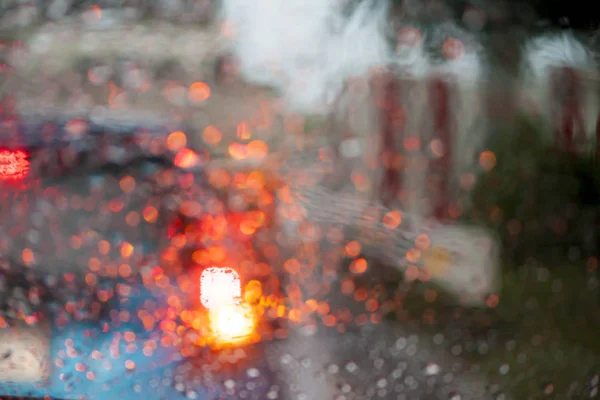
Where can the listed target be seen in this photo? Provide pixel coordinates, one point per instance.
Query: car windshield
(298, 200)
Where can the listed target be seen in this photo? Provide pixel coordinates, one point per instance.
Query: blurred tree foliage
(543, 202)
(574, 14)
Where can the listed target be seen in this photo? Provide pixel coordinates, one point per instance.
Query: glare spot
(232, 323)
(219, 287)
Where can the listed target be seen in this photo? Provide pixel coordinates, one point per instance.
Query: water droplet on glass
(456, 349)
(253, 373)
(346, 388)
(397, 373)
(432, 369)
(333, 369)
(305, 362)
(482, 348)
(378, 363)
(351, 367)
(448, 377)
(401, 343)
(229, 383)
(286, 359)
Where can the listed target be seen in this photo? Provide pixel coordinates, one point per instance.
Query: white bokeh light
(219, 287)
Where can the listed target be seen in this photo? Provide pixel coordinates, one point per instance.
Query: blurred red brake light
(14, 165)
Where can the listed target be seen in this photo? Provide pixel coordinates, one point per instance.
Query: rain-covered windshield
(298, 200)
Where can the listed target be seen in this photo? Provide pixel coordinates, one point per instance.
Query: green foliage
(553, 320)
(542, 201)
(541, 338)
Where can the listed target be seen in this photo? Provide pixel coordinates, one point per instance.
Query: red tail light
(13, 165)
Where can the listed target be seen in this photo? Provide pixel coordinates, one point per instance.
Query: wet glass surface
(168, 230)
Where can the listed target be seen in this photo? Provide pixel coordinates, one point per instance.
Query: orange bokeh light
(243, 131)
(199, 92)
(176, 140)
(238, 151)
(186, 158)
(392, 219)
(487, 160)
(212, 135)
(258, 149)
(358, 266)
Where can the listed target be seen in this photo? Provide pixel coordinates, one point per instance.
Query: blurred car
(108, 235)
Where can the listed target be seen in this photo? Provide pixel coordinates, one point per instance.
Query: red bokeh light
(13, 165)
